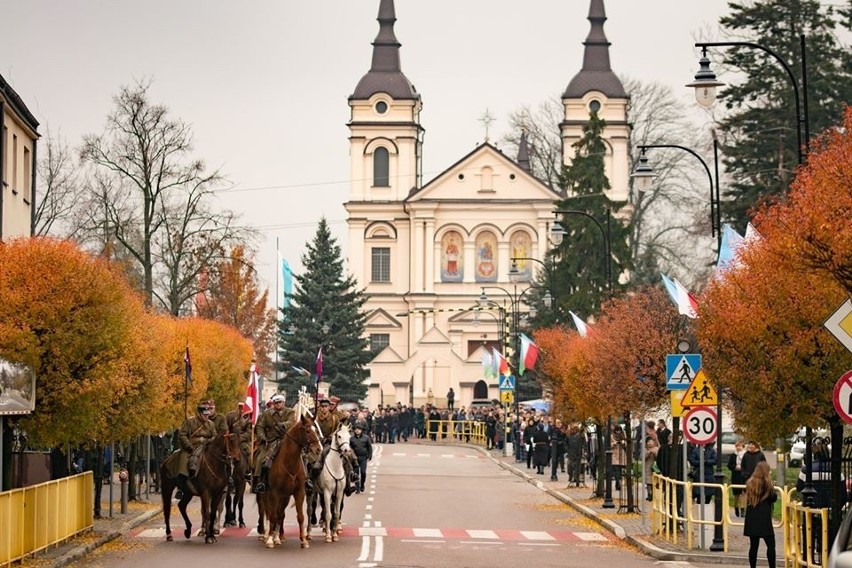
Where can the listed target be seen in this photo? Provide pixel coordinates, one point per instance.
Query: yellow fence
(470, 431)
(36, 517)
(805, 530)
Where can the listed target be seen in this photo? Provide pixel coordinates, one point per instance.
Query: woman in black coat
(541, 448)
(760, 500)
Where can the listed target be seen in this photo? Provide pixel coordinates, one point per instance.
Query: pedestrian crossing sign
(700, 392)
(507, 382)
(507, 396)
(681, 370)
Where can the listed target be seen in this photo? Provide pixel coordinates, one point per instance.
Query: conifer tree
(760, 153)
(324, 298)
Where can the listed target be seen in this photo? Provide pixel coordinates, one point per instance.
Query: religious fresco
(452, 257)
(486, 257)
(521, 247)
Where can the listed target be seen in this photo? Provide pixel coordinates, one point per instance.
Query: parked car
(797, 448)
(729, 440)
(841, 551)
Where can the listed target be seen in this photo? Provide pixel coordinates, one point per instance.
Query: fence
(805, 530)
(468, 431)
(39, 516)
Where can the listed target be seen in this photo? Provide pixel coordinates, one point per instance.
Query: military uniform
(328, 422)
(270, 429)
(236, 420)
(192, 436)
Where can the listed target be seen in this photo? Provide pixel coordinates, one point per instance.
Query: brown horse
(210, 483)
(287, 479)
(235, 496)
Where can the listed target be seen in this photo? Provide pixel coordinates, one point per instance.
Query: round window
(381, 107)
(594, 105)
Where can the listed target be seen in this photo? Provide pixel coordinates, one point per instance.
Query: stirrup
(260, 487)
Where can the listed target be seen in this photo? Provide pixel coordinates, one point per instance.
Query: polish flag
(251, 394)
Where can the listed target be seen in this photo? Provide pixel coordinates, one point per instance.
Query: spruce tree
(760, 153)
(579, 262)
(324, 296)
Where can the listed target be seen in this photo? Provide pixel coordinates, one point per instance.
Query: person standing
(451, 399)
(663, 433)
(363, 449)
(619, 454)
(752, 457)
(760, 499)
(651, 449)
(735, 464)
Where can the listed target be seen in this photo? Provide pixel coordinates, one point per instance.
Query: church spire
(596, 73)
(385, 73)
(524, 152)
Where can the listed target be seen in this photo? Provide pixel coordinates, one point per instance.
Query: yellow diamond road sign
(840, 324)
(700, 392)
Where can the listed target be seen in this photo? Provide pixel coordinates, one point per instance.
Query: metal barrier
(37, 517)
(469, 431)
(805, 535)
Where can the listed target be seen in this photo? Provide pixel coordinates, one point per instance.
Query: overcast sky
(264, 84)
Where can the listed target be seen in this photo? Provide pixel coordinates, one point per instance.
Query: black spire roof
(385, 75)
(524, 153)
(596, 74)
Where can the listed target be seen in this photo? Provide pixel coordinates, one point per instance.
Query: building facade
(18, 165)
(425, 252)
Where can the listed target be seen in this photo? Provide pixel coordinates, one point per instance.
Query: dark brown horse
(210, 483)
(287, 479)
(235, 496)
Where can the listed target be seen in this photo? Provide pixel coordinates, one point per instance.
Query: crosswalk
(416, 533)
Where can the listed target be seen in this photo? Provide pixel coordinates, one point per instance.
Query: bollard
(122, 476)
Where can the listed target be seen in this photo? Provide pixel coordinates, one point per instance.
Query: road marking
(537, 544)
(422, 541)
(365, 549)
(427, 533)
(380, 549)
(373, 531)
(479, 542)
(483, 534)
(536, 535)
(589, 536)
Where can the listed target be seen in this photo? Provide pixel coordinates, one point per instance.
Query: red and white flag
(687, 305)
(319, 365)
(252, 401)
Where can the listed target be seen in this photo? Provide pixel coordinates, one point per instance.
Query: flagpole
(278, 306)
(187, 370)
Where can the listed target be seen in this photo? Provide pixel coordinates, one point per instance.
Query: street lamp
(515, 276)
(557, 234)
(705, 85)
(644, 176)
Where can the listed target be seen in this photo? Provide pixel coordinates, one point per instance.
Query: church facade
(425, 252)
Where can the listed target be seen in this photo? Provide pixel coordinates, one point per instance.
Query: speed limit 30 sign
(700, 425)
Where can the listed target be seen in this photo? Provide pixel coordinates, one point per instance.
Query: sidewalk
(634, 528)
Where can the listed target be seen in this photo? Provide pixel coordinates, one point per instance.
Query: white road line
(423, 455)
(480, 542)
(537, 544)
(365, 549)
(483, 534)
(369, 507)
(447, 455)
(378, 523)
(589, 536)
(366, 524)
(368, 516)
(367, 565)
(536, 535)
(427, 533)
(422, 541)
(380, 549)
(371, 499)
(372, 531)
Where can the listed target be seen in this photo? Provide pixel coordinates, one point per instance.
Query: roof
(596, 74)
(15, 102)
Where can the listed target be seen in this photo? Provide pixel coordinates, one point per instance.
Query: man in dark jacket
(363, 449)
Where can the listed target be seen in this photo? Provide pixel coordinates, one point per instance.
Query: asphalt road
(423, 506)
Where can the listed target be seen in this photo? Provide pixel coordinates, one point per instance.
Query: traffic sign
(507, 382)
(681, 369)
(507, 396)
(843, 397)
(700, 425)
(840, 324)
(677, 409)
(700, 392)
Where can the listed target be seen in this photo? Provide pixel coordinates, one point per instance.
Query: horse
(332, 481)
(235, 496)
(287, 476)
(210, 484)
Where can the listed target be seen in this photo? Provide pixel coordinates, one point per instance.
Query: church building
(425, 251)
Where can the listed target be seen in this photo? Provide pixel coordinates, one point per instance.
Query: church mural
(452, 257)
(486, 257)
(521, 247)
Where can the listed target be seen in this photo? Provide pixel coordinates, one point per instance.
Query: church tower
(597, 89)
(385, 133)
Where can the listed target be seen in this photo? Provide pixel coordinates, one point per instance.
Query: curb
(646, 547)
(79, 552)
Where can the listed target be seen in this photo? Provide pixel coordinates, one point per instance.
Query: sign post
(507, 398)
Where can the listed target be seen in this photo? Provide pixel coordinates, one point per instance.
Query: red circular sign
(843, 397)
(700, 425)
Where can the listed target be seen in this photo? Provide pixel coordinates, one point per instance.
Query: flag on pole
(187, 366)
(319, 366)
(529, 354)
(671, 288)
(751, 233)
(252, 401)
(287, 283)
(582, 327)
(301, 371)
(687, 305)
(487, 364)
(731, 242)
(501, 366)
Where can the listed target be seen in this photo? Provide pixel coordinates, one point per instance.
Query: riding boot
(309, 485)
(263, 483)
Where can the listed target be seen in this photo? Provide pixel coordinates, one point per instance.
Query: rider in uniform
(271, 428)
(328, 419)
(221, 422)
(195, 432)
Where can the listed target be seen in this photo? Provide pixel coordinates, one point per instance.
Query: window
(381, 264)
(14, 162)
(27, 181)
(594, 106)
(381, 177)
(378, 341)
(3, 158)
(381, 107)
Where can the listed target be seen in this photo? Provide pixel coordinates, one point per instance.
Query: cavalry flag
(319, 366)
(687, 305)
(300, 371)
(487, 364)
(582, 327)
(252, 401)
(529, 354)
(187, 366)
(501, 366)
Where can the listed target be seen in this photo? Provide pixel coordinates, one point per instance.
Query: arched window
(381, 178)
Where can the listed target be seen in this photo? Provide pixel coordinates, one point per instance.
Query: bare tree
(60, 188)
(541, 125)
(150, 195)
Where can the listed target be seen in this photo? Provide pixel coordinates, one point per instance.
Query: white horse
(332, 481)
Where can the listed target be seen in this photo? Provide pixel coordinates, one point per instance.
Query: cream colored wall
(17, 177)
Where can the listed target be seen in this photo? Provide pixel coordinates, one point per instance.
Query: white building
(425, 251)
(17, 165)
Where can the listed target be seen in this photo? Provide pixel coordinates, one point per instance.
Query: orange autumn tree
(72, 319)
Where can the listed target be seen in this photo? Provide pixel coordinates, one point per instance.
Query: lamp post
(557, 233)
(705, 85)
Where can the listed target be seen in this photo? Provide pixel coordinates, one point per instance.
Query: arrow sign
(843, 397)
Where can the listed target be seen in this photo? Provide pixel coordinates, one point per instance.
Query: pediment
(387, 355)
(434, 337)
(485, 174)
(476, 356)
(381, 319)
